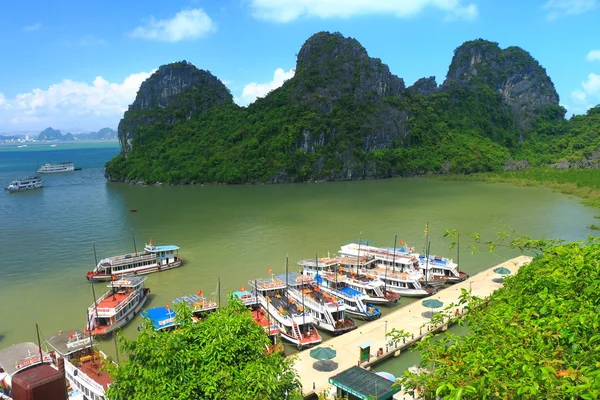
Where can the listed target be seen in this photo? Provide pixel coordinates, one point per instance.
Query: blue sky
(70, 63)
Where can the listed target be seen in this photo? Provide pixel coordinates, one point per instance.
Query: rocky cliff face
(519, 78)
(333, 74)
(330, 66)
(175, 91)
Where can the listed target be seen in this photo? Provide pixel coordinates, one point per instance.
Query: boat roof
(127, 281)
(160, 317)
(67, 342)
(247, 297)
(13, 356)
(155, 249)
(294, 278)
(267, 283)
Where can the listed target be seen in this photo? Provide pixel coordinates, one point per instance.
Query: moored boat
(328, 311)
(201, 306)
(152, 259)
(161, 318)
(373, 287)
(82, 364)
(66, 166)
(335, 284)
(263, 319)
(20, 357)
(295, 325)
(20, 185)
(117, 306)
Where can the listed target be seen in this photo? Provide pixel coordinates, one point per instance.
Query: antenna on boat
(302, 290)
(219, 292)
(134, 246)
(95, 257)
(319, 275)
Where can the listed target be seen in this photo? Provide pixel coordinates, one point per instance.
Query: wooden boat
(117, 306)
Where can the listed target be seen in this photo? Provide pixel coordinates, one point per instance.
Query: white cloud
(557, 8)
(71, 103)
(586, 97)
(289, 10)
(254, 90)
(593, 55)
(185, 25)
(31, 28)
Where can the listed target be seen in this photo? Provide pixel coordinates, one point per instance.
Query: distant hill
(344, 115)
(49, 134)
(102, 134)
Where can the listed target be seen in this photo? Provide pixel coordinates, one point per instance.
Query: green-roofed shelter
(358, 383)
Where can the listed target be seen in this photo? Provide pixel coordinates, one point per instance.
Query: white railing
(107, 311)
(82, 380)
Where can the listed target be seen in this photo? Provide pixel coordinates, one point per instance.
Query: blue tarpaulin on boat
(160, 317)
(350, 292)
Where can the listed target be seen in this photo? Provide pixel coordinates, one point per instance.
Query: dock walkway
(409, 318)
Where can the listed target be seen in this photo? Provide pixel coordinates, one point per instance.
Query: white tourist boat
(328, 311)
(19, 185)
(152, 259)
(400, 274)
(436, 270)
(263, 319)
(19, 357)
(200, 305)
(373, 287)
(48, 168)
(82, 364)
(296, 325)
(118, 306)
(336, 284)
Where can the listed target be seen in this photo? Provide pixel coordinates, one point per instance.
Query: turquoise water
(231, 233)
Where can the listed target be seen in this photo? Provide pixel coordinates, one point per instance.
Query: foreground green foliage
(536, 338)
(221, 358)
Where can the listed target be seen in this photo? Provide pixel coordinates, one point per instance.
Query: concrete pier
(408, 318)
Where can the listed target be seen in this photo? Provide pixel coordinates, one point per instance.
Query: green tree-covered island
(345, 116)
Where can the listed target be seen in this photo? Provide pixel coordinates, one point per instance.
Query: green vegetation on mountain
(222, 357)
(345, 116)
(535, 338)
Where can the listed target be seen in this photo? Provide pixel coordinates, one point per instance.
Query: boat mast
(427, 262)
(458, 252)
(219, 292)
(92, 283)
(287, 299)
(134, 246)
(393, 267)
(256, 299)
(37, 330)
(358, 255)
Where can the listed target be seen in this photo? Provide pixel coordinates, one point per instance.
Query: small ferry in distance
(152, 259)
(19, 185)
(48, 168)
(117, 306)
